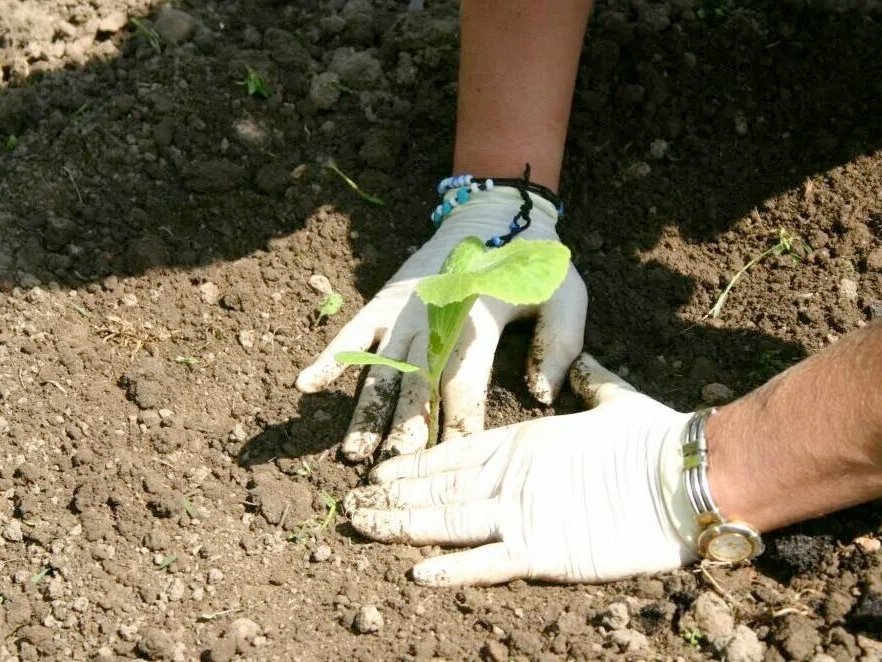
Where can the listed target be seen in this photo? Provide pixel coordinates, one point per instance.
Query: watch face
(729, 546)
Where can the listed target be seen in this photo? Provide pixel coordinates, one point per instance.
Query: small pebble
(320, 284)
(210, 293)
(320, 554)
(617, 616)
(368, 620)
(12, 531)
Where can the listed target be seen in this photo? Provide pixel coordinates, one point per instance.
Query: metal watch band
(710, 520)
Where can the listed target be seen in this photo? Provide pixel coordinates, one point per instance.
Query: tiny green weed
(255, 84)
(693, 636)
(40, 576)
(332, 506)
(787, 244)
(167, 561)
(367, 197)
(10, 143)
(149, 35)
(330, 306)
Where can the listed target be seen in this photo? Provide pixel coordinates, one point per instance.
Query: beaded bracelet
(467, 185)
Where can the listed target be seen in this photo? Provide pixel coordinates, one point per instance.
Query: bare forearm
(807, 443)
(517, 72)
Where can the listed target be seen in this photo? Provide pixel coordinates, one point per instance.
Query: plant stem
(434, 410)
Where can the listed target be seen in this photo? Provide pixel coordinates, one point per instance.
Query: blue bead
(443, 185)
(462, 196)
(436, 218)
(495, 241)
(446, 208)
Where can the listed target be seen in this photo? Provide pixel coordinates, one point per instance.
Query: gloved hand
(395, 320)
(588, 497)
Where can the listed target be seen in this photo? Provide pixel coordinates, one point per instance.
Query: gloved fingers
(446, 487)
(410, 424)
(559, 336)
(470, 523)
(459, 453)
(465, 378)
(376, 402)
(358, 334)
(595, 384)
(485, 565)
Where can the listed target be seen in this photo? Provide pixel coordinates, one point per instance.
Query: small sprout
(693, 636)
(82, 311)
(330, 165)
(332, 506)
(149, 35)
(189, 361)
(255, 84)
(10, 143)
(306, 470)
(330, 306)
(167, 561)
(188, 507)
(788, 244)
(40, 576)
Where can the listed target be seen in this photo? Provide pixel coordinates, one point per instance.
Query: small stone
(658, 149)
(368, 620)
(243, 631)
(113, 22)
(617, 616)
(320, 284)
(156, 644)
(210, 293)
(246, 338)
(629, 641)
(238, 433)
(848, 289)
(320, 554)
(324, 91)
(494, 651)
(714, 618)
(223, 650)
(12, 531)
(150, 418)
(175, 26)
(357, 69)
(215, 575)
(745, 646)
(176, 590)
(868, 544)
(716, 393)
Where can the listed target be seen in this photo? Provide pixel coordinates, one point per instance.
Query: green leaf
(369, 358)
(521, 272)
(331, 304)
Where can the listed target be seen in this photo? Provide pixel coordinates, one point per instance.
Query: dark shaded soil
(164, 487)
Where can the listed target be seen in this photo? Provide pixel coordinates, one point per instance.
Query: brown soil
(163, 484)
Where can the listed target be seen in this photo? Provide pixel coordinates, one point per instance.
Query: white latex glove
(588, 497)
(395, 321)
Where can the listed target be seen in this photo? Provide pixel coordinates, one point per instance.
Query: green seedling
(787, 244)
(374, 200)
(167, 561)
(255, 84)
(693, 636)
(713, 10)
(330, 306)
(10, 143)
(188, 507)
(40, 576)
(332, 507)
(519, 273)
(149, 35)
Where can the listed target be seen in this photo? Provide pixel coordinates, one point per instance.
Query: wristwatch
(718, 539)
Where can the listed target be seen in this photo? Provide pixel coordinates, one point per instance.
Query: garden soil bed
(165, 488)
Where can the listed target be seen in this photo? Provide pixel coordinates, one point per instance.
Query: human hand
(589, 497)
(395, 320)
